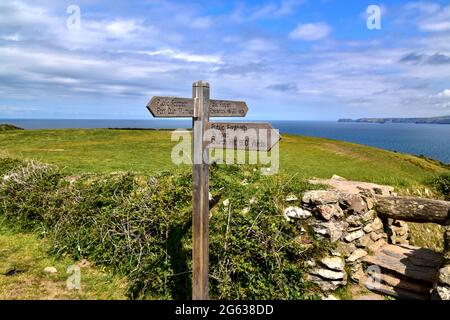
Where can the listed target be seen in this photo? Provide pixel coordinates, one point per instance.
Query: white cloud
(202, 22)
(425, 7)
(287, 7)
(108, 60)
(12, 37)
(10, 109)
(258, 44)
(445, 93)
(22, 22)
(275, 9)
(310, 31)
(121, 27)
(435, 26)
(435, 19)
(186, 56)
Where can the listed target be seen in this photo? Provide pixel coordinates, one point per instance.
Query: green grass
(322, 158)
(91, 150)
(148, 152)
(27, 253)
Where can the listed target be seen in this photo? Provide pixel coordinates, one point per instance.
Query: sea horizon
(429, 140)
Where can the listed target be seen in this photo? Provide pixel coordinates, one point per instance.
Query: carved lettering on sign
(241, 136)
(170, 107)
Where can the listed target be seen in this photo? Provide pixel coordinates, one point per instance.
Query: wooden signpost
(184, 107)
(242, 136)
(238, 136)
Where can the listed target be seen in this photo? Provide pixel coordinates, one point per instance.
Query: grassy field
(23, 258)
(148, 152)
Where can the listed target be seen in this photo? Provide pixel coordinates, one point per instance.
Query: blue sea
(420, 139)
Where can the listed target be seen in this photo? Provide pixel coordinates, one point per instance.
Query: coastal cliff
(432, 120)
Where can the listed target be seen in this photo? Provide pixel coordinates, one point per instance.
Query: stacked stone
(398, 232)
(349, 220)
(329, 273)
(442, 286)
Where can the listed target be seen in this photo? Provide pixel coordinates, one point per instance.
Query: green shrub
(442, 184)
(141, 227)
(26, 194)
(8, 164)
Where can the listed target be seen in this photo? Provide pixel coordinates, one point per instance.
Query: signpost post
(244, 136)
(200, 193)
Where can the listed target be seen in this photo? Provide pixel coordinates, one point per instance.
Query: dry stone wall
(348, 220)
(346, 217)
(442, 287)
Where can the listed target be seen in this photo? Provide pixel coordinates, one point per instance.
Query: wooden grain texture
(397, 292)
(413, 209)
(242, 136)
(225, 108)
(409, 262)
(200, 195)
(173, 107)
(404, 283)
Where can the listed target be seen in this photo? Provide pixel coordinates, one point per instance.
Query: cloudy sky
(289, 59)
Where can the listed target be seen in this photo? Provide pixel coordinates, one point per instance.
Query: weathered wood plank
(173, 107)
(403, 262)
(415, 255)
(406, 284)
(241, 136)
(200, 195)
(225, 108)
(413, 209)
(399, 293)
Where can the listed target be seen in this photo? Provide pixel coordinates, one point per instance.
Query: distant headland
(7, 127)
(432, 120)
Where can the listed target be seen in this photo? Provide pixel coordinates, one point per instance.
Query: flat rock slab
(355, 187)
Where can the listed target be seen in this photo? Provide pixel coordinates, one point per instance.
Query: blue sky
(289, 59)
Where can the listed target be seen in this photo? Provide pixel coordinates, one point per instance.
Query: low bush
(7, 164)
(442, 184)
(141, 227)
